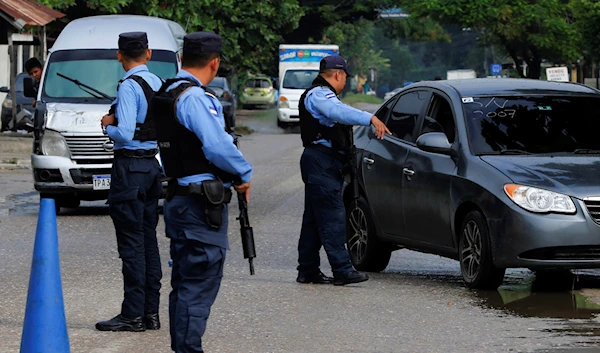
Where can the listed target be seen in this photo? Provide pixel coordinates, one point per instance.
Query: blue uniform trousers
(198, 254)
(324, 219)
(133, 207)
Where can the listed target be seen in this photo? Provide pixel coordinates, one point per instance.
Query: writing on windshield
(534, 124)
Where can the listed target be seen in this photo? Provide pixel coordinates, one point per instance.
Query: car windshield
(532, 124)
(97, 68)
(218, 82)
(299, 79)
(257, 83)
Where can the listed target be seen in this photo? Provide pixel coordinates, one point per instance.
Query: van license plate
(101, 182)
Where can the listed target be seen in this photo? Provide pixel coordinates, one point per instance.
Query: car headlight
(283, 102)
(54, 144)
(539, 200)
(7, 103)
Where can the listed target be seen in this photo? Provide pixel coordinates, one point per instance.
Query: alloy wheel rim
(471, 252)
(357, 242)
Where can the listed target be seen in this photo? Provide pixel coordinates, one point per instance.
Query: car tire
(367, 253)
(62, 201)
(281, 124)
(475, 254)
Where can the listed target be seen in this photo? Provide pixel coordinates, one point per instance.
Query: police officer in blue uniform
(326, 131)
(201, 160)
(135, 188)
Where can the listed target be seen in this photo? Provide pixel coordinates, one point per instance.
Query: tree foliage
(357, 45)
(528, 30)
(586, 14)
(251, 29)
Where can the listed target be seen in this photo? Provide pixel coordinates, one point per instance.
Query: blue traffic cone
(45, 326)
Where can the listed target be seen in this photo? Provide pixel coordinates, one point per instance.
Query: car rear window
(533, 124)
(258, 83)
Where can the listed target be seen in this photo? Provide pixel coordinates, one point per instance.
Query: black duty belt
(136, 153)
(181, 190)
(329, 151)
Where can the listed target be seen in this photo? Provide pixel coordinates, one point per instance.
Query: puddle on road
(29, 204)
(549, 296)
(553, 296)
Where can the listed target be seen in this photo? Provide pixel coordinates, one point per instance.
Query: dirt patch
(14, 149)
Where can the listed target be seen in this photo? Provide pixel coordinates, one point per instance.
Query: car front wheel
(366, 250)
(475, 254)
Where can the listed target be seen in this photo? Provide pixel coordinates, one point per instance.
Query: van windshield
(97, 68)
(299, 79)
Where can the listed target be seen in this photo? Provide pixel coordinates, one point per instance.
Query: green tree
(586, 14)
(357, 46)
(322, 14)
(251, 29)
(527, 30)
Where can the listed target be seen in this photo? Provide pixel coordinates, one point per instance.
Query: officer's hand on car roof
(380, 128)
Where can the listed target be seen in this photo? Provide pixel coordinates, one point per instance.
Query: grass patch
(353, 98)
(243, 130)
(11, 161)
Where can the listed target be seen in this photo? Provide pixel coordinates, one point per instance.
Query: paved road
(418, 304)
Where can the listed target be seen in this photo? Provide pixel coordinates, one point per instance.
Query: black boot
(121, 323)
(350, 277)
(151, 321)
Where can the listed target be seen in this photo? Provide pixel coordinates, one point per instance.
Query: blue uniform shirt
(203, 115)
(131, 109)
(324, 105)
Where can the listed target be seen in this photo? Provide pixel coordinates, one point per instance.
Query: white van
(71, 157)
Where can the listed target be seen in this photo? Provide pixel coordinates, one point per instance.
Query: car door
(383, 159)
(427, 179)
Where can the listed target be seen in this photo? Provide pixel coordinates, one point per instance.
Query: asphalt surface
(418, 304)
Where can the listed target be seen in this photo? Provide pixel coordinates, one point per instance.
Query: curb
(21, 164)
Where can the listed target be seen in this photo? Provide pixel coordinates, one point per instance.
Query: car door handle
(368, 161)
(408, 172)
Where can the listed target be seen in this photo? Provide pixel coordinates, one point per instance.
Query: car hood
(69, 117)
(575, 176)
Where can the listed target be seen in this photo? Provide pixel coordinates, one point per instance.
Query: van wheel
(367, 253)
(475, 254)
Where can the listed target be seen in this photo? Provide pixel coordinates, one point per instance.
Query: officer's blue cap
(334, 62)
(133, 41)
(202, 42)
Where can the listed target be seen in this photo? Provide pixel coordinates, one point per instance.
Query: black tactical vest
(180, 149)
(143, 131)
(312, 130)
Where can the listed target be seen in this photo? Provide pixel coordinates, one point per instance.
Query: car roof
(102, 32)
(508, 87)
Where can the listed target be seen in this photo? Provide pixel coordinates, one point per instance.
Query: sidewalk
(15, 150)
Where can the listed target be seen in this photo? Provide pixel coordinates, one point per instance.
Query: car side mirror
(4, 89)
(434, 142)
(29, 88)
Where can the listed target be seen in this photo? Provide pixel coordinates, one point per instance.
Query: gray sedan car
(495, 173)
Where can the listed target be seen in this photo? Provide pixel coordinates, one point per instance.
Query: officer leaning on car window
(135, 188)
(201, 162)
(326, 131)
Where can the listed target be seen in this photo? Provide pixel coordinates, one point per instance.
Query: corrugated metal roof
(29, 12)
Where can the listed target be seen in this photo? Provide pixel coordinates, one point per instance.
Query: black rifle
(245, 228)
